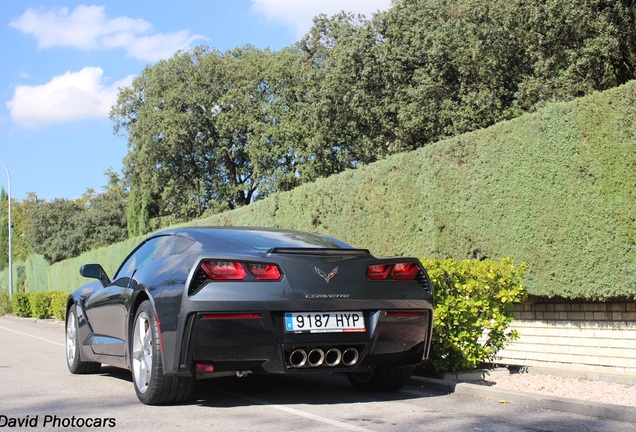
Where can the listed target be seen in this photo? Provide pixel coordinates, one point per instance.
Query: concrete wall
(578, 335)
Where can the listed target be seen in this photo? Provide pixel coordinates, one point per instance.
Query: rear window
(265, 240)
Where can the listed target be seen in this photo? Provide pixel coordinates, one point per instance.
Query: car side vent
(424, 281)
(198, 280)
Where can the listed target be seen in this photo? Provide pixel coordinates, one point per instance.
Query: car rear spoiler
(318, 251)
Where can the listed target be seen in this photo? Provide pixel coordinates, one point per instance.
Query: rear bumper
(256, 341)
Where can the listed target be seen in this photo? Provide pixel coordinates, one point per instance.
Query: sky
(63, 62)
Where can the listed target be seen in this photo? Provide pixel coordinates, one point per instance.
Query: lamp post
(10, 244)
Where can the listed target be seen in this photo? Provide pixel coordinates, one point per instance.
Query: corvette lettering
(327, 296)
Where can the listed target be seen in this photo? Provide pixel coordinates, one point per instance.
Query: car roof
(261, 239)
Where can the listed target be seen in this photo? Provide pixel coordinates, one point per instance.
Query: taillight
(378, 272)
(405, 271)
(398, 271)
(235, 271)
(264, 272)
(223, 270)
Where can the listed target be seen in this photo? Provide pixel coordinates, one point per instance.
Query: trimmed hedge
(64, 275)
(555, 189)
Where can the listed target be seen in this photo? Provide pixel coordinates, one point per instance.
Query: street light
(10, 247)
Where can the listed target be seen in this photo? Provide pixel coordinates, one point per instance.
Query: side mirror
(95, 271)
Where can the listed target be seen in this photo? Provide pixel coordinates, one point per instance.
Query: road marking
(33, 336)
(305, 414)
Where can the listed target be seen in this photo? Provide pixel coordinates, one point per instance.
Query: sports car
(200, 302)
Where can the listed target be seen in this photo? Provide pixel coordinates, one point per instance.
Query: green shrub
(40, 303)
(58, 304)
(473, 310)
(35, 304)
(5, 303)
(20, 304)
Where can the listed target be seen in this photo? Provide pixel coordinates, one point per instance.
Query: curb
(572, 406)
(53, 321)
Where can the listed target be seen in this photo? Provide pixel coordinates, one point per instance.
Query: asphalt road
(38, 392)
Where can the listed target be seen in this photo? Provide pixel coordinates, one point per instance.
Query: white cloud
(160, 45)
(88, 28)
(299, 14)
(69, 97)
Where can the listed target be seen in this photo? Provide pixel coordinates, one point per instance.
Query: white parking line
(33, 336)
(305, 414)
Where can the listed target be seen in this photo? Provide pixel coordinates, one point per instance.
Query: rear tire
(383, 378)
(73, 355)
(151, 385)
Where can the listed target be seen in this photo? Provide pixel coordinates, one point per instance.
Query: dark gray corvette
(204, 302)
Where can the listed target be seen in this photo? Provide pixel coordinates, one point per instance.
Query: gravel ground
(582, 389)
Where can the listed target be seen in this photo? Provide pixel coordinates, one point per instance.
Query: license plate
(324, 322)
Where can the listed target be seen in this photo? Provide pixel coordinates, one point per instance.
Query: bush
(20, 304)
(58, 304)
(5, 303)
(40, 303)
(473, 310)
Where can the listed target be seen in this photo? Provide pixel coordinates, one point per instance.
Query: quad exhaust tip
(300, 358)
(350, 357)
(316, 357)
(333, 357)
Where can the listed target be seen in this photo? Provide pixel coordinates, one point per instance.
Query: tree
(425, 70)
(62, 228)
(210, 131)
(53, 230)
(451, 66)
(104, 219)
(20, 211)
(345, 90)
(574, 48)
(460, 65)
(21, 214)
(200, 134)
